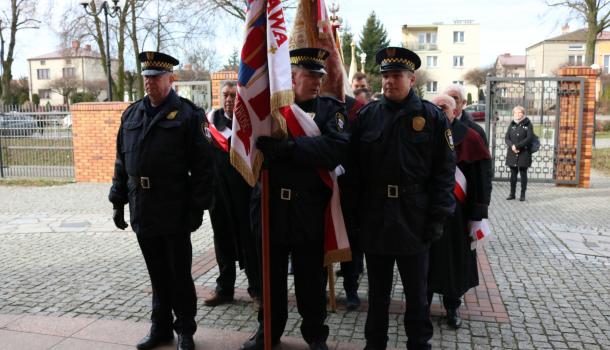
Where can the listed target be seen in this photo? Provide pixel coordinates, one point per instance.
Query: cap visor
(151, 72)
(390, 67)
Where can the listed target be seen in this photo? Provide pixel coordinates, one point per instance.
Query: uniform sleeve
(327, 150)
(442, 176)
(118, 191)
(201, 164)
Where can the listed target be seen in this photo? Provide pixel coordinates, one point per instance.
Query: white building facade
(447, 52)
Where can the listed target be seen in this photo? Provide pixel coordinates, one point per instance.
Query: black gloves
(274, 149)
(118, 216)
(195, 220)
(434, 232)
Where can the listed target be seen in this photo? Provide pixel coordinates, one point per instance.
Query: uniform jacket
(453, 265)
(300, 220)
(521, 135)
(173, 153)
(408, 146)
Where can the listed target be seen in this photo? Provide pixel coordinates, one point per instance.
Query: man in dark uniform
(297, 201)
(230, 215)
(164, 170)
(402, 164)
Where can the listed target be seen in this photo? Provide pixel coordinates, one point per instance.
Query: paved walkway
(546, 277)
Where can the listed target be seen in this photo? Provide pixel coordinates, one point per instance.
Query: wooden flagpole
(265, 258)
(332, 300)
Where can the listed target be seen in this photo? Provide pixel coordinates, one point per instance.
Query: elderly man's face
(449, 112)
(228, 94)
(157, 87)
(397, 84)
(459, 102)
(306, 84)
(359, 84)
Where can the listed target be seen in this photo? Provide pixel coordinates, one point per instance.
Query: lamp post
(112, 11)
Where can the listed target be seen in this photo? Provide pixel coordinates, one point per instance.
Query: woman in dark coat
(519, 137)
(453, 263)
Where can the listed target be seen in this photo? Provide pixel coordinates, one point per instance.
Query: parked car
(14, 124)
(477, 110)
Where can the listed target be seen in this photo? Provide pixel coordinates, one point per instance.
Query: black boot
(453, 318)
(522, 197)
(155, 338)
(185, 342)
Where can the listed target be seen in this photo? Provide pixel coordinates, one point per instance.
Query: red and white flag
(479, 233)
(264, 85)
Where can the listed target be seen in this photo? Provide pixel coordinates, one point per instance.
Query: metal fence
(36, 142)
(541, 99)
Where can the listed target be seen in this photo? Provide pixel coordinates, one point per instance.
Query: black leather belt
(395, 191)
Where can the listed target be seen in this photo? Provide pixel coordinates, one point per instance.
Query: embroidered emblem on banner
(419, 123)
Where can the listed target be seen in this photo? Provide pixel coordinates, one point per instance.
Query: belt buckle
(285, 194)
(145, 182)
(392, 191)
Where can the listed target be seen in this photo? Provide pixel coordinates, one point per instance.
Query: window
(427, 38)
(458, 61)
(431, 86)
(606, 64)
(432, 61)
(69, 72)
(68, 61)
(575, 60)
(576, 47)
(43, 74)
(43, 62)
(461, 82)
(44, 93)
(458, 37)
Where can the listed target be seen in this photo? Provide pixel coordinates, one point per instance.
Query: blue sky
(505, 26)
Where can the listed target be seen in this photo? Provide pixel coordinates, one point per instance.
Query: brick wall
(569, 106)
(94, 127)
(217, 79)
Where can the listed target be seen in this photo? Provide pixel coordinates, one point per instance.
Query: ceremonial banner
(264, 85)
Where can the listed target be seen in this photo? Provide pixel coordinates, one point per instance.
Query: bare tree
(478, 77)
(65, 87)
(233, 8)
(421, 79)
(95, 87)
(594, 13)
(20, 16)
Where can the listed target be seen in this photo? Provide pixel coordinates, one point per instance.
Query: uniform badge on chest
(419, 123)
(171, 115)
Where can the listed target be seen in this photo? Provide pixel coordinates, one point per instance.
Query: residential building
(546, 57)
(602, 52)
(509, 66)
(447, 52)
(78, 63)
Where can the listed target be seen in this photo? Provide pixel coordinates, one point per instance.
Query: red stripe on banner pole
(459, 193)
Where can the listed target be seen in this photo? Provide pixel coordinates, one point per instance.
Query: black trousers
(351, 271)
(169, 259)
(513, 179)
(413, 271)
(310, 290)
(233, 236)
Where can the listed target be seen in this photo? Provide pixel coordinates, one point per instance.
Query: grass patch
(601, 160)
(37, 151)
(34, 182)
(602, 134)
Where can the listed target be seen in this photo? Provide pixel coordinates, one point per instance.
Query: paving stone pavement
(550, 257)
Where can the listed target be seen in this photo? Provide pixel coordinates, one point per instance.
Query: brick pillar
(217, 79)
(94, 128)
(569, 121)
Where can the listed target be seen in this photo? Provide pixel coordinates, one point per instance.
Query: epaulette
(366, 107)
(128, 109)
(193, 105)
(331, 99)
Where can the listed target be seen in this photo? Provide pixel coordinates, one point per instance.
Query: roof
(579, 35)
(85, 52)
(509, 60)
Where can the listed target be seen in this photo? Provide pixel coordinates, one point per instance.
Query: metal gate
(36, 142)
(555, 108)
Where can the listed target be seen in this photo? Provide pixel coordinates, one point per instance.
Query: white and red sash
(221, 137)
(478, 231)
(336, 244)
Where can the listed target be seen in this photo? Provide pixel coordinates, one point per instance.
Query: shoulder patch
(340, 121)
(449, 139)
(205, 129)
